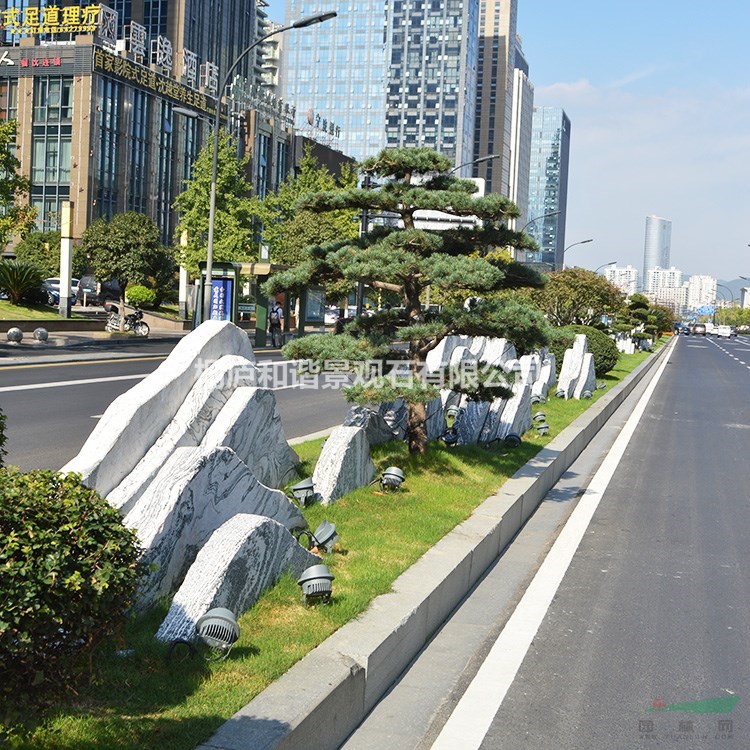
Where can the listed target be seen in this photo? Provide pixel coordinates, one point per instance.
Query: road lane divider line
(65, 383)
(82, 363)
(473, 715)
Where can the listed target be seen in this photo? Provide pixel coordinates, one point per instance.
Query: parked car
(698, 329)
(52, 287)
(95, 293)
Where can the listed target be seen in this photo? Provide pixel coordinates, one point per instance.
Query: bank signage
(51, 20)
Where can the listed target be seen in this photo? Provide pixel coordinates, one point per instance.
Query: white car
(724, 332)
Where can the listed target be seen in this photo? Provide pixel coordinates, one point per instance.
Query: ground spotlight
(560, 393)
(542, 428)
(452, 412)
(219, 630)
(512, 440)
(540, 416)
(304, 491)
(315, 582)
(586, 394)
(392, 478)
(450, 436)
(601, 385)
(324, 537)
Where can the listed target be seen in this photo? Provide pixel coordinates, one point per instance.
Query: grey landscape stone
(41, 334)
(492, 426)
(189, 425)
(516, 417)
(135, 420)
(436, 424)
(531, 368)
(376, 428)
(242, 558)
(440, 356)
(546, 379)
(497, 352)
(196, 491)
(250, 424)
(396, 416)
(344, 464)
(471, 421)
(587, 379)
(571, 366)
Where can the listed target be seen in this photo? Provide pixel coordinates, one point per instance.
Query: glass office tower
(657, 246)
(548, 184)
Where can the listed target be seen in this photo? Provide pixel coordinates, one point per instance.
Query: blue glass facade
(548, 183)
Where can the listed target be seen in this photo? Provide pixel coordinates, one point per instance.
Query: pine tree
(406, 260)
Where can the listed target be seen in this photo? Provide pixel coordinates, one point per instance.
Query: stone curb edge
(325, 696)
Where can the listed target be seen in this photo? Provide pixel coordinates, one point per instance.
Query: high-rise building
(522, 118)
(624, 278)
(388, 74)
(494, 102)
(548, 184)
(657, 245)
(701, 291)
(662, 278)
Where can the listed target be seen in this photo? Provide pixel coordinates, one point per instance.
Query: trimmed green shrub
(18, 277)
(140, 296)
(601, 346)
(68, 574)
(3, 452)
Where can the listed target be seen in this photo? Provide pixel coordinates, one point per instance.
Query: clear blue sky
(658, 92)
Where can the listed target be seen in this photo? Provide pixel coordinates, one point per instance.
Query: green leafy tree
(577, 296)
(15, 218)
(125, 248)
(289, 229)
(406, 261)
(17, 277)
(233, 224)
(43, 249)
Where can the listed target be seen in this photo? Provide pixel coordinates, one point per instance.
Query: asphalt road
(51, 407)
(654, 610)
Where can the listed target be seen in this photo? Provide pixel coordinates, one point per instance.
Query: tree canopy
(233, 224)
(577, 296)
(14, 218)
(289, 229)
(406, 260)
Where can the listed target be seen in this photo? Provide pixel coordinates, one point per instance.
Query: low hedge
(68, 574)
(600, 345)
(140, 296)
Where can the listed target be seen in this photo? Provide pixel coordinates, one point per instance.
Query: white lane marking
(473, 715)
(65, 383)
(96, 416)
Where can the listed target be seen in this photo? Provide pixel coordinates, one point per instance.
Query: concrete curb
(323, 697)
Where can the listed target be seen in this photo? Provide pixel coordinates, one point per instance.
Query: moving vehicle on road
(698, 329)
(725, 332)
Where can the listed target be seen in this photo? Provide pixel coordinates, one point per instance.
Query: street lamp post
(582, 242)
(476, 161)
(604, 265)
(301, 24)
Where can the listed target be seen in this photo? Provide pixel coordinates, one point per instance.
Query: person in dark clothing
(275, 321)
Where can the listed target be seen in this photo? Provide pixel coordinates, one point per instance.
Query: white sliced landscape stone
(242, 558)
(587, 379)
(497, 352)
(250, 424)
(531, 367)
(196, 491)
(460, 355)
(440, 356)
(135, 420)
(546, 379)
(492, 425)
(189, 425)
(476, 345)
(344, 464)
(571, 366)
(516, 417)
(471, 421)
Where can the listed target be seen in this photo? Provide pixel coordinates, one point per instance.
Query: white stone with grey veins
(497, 352)
(243, 557)
(476, 346)
(516, 416)
(492, 425)
(471, 421)
(571, 366)
(547, 377)
(344, 464)
(587, 378)
(196, 491)
(189, 425)
(396, 416)
(376, 428)
(440, 356)
(531, 367)
(134, 420)
(250, 424)
(460, 355)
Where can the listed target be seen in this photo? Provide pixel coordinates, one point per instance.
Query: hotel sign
(51, 20)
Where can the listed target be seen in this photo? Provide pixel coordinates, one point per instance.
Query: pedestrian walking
(275, 320)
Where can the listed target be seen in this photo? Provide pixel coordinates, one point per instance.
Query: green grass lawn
(146, 700)
(29, 312)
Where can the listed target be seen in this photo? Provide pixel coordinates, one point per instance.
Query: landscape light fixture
(540, 416)
(316, 586)
(450, 437)
(512, 440)
(304, 492)
(324, 537)
(542, 428)
(560, 393)
(452, 412)
(586, 394)
(392, 478)
(219, 630)
(601, 385)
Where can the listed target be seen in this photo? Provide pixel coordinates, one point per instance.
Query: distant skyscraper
(388, 73)
(494, 102)
(522, 118)
(548, 182)
(624, 278)
(657, 246)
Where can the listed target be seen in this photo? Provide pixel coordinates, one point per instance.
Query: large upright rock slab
(492, 424)
(344, 464)
(396, 416)
(378, 431)
(571, 366)
(435, 424)
(471, 421)
(497, 352)
(547, 378)
(196, 491)
(135, 420)
(189, 425)
(250, 424)
(516, 417)
(531, 368)
(587, 378)
(243, 557)
(440, 356)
